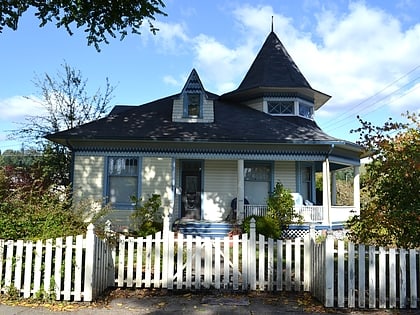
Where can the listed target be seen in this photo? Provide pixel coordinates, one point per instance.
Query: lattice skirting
(301, 231)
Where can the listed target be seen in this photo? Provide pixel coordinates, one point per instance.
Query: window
(305, 110)
(257, 182)
(193, 105)
(306, 187)
(122, 180)
(281, 107)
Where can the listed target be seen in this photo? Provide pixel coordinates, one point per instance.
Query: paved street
(125, 302)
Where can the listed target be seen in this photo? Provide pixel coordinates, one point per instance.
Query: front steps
(202, 228)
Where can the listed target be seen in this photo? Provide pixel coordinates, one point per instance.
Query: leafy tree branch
(99, 18)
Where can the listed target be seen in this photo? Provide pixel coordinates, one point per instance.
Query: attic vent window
(281, 107)
(193, 105)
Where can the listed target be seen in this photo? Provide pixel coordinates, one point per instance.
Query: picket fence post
(252, 269)
(165, 250)
(89, 261)
(329, 271)
(308, 260)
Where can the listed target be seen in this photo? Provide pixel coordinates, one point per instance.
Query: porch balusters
(310, 214)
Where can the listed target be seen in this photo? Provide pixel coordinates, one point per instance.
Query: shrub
(280, 207)
(32, 213)
(266, 226)
(147, 217)
(280, 214)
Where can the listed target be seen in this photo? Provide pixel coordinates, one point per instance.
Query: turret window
(289, 107)
(306, 110)
(281, 107)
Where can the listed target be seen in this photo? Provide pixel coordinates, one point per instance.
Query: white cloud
(15, 108)
(170, 80)
(219, 64)
(361, 53)
(407, 100)
(171, 37)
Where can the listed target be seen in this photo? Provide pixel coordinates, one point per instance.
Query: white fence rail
(339, 274)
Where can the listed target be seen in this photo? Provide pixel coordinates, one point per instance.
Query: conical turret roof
(274, 70)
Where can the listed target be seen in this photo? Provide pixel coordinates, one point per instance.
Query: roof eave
(76, 141)
(240, 95)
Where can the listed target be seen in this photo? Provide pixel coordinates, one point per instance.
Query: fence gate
(242, 262)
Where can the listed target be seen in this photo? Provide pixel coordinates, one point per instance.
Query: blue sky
(365, 54)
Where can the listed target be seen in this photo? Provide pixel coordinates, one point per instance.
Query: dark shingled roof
(274, 71)
(273, 67)
(233, 123)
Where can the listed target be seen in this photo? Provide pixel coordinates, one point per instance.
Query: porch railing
(311, 214)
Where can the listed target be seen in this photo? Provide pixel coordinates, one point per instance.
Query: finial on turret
(272, 23)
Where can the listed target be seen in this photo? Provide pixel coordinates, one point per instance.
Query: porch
(312, 215)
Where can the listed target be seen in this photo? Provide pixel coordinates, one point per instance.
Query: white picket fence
(346, 275)
(339, 274)
(70, 269)
(175, 261)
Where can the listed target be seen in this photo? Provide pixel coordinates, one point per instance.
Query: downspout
(328, 185)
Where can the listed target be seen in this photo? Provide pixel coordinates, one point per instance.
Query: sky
(365, 54)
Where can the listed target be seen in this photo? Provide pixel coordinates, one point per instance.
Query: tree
(66, 105)
(99, 18)
(391, 214)
(22, 158)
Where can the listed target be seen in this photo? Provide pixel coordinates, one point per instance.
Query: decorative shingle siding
(208, 111)
(178, 112)
(220, 187)
(156, 179)
(285, 172)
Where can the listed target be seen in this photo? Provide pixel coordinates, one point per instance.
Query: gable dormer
(193, 104)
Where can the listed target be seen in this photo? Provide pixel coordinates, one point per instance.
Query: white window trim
(128, 205)
(296, 101)
(301, 101)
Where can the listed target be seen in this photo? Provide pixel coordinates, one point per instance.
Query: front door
(191, 190)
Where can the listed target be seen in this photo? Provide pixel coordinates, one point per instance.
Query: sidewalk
(126, 302)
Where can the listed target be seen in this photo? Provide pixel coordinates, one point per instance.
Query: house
(204, 153)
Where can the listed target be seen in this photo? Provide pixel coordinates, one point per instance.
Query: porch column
(356, 189)
(240, 192)
(326, 192)
(333, 188)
